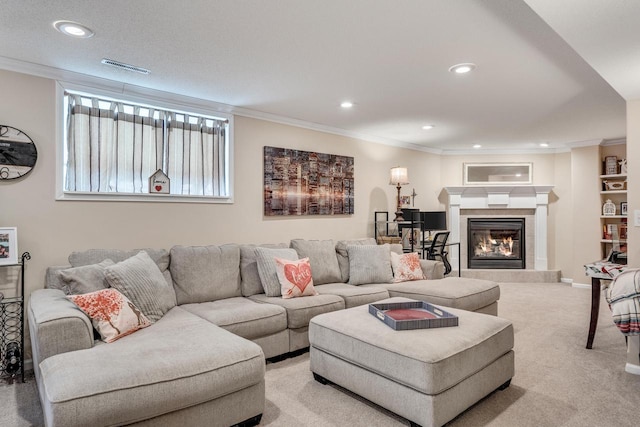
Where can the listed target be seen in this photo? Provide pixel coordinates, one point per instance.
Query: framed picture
(8, 245)
(307, 183)
(497, 173)
(623, 208)
(410, 236)
(405, 201)
(610, 165)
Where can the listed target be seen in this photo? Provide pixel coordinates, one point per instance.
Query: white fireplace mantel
(503, 197)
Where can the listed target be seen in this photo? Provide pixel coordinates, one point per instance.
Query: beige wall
(585, 212)
(560, 223)
(543, 166)
(51, 229)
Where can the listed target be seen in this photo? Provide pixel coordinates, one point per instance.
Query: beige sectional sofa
(203, 362)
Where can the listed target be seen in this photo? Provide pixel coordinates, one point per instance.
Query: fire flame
(487, 245)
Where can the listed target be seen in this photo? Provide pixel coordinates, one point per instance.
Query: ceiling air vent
(123, 66)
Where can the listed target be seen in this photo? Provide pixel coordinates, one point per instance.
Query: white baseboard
(632, 369)
(573, 284)
(581, 285)
(28, 365)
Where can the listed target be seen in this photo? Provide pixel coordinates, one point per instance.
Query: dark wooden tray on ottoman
(412, 315)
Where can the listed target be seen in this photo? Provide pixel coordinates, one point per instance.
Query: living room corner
(233, 311)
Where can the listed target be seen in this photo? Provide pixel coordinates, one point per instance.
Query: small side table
(599, 270)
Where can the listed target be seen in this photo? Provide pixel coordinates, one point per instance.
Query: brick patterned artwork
(307, 183)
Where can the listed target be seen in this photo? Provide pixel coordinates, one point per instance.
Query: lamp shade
(398, 176)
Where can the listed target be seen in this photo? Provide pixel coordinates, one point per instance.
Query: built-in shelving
(613, 228)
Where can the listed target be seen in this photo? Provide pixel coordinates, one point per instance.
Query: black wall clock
(18, 153)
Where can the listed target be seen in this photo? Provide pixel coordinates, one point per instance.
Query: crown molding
(587, 143)
(617, 141)
(499, 151)
(92, 82)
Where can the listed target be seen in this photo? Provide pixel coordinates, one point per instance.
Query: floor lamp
(398, 176)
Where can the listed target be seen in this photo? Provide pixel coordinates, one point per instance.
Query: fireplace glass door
(496, 243)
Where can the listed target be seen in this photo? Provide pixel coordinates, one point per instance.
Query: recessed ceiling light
(346, 104)
(462, 68)
(477, 146)
(427, 127)
(544, 145)
(73, 29)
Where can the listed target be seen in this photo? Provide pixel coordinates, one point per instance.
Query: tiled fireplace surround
(530, 202)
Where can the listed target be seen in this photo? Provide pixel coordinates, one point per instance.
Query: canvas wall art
(307, 183)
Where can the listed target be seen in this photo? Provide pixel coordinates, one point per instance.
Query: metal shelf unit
(12, 329)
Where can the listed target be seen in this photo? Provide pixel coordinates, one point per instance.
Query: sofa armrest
(432, 269)
(56, 325)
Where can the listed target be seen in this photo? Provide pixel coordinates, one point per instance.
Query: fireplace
(496, 243)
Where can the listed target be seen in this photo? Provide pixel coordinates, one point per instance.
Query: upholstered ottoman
(427, 376)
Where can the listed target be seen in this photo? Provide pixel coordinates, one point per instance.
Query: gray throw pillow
(267, 268)
(322, 258)
(140, 280)
(343, 257)
(251, 284)
(94, 256)
(85, 279)
(369, 264)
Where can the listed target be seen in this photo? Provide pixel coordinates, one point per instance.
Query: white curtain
(110, 150)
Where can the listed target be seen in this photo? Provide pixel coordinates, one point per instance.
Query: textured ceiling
(297, 60)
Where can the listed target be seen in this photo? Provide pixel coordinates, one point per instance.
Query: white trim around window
(176, 103)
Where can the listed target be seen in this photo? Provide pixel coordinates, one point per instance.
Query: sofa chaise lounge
(203, 361)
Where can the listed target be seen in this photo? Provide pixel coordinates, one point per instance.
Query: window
(112, 147)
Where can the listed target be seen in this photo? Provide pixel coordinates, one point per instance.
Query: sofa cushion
(322, 257)
(397, 248)
(241, 316)
(301, 310)
(141, 281)
(111, 313)
(94, 256)
(432, 269)
(152, 372)
(354, 295)
(369, 264)
(406, 267)
(85, 278)
(458, 292)
(266, 258)
(205, 273)
(343, 256)
(251, 283)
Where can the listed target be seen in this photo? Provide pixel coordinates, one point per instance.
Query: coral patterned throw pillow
(111, 313)
(406, 267)
(295, 278)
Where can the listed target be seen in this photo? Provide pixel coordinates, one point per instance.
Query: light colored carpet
(557, 382)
